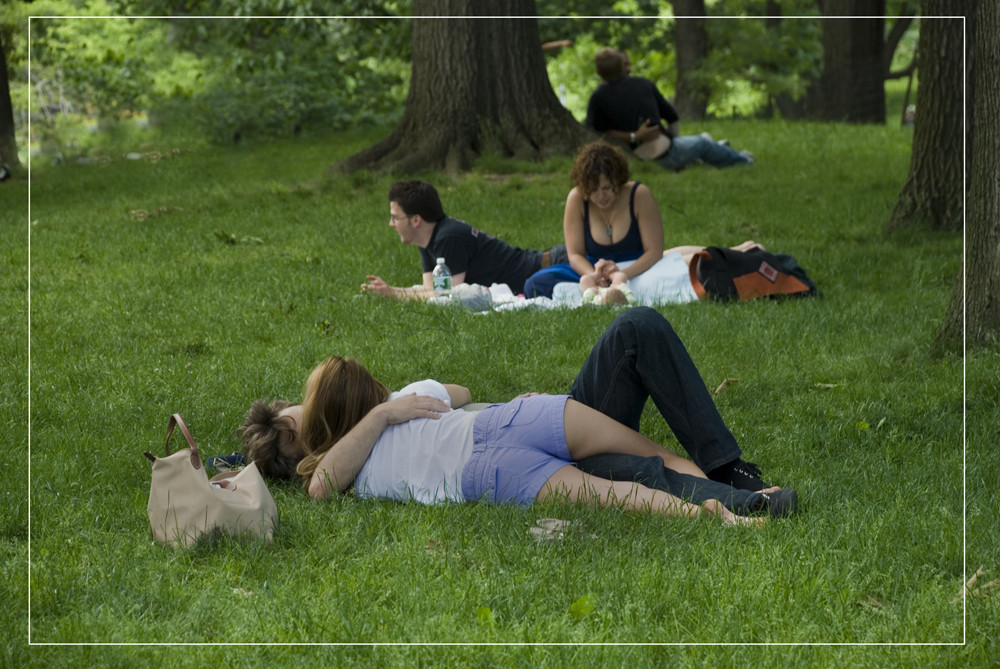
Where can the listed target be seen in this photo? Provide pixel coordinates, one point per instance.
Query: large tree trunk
(853, 62)
(8, 142)
(933, 189)
(478, 85)
(691, 44)
(980, 300)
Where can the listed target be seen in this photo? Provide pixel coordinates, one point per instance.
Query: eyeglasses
(397, 219)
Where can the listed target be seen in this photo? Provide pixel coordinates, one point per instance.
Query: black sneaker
(739, 474)
(777, 504)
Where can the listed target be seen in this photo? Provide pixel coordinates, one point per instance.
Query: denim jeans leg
(640, 356)
(651, 473)
(691, 148)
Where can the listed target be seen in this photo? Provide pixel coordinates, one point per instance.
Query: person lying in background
(472, 256)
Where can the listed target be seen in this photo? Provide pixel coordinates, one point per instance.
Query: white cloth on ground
(666, 282)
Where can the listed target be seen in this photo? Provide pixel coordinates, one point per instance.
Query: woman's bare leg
(687, 252)
(589, 432)
(748, 245)
(572, 484)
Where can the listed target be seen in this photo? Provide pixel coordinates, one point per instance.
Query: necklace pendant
(608, 230)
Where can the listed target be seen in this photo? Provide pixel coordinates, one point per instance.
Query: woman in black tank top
(609, 219)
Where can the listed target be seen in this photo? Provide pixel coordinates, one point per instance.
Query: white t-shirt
(421, 459)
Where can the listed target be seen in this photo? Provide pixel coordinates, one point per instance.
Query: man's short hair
(263, 433)
(417, 198)
(609, 64)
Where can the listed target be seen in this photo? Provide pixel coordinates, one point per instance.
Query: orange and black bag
(725, 274)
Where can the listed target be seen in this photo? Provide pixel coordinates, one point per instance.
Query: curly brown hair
(263, 433)
(595, 159)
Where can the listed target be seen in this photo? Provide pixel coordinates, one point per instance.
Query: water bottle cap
(440, 261)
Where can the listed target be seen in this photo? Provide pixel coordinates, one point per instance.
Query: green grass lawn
(243, 273)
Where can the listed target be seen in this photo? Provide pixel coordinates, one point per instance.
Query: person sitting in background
(632, 110)
(639, 357)
(608, 219)
(473, 256)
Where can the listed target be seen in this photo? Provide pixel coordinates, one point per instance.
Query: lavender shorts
(516, 448)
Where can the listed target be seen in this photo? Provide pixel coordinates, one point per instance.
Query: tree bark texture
(478, 85)
(8, 141)
(853, 62)
(691, 44)
(981, 298)
(934, 188)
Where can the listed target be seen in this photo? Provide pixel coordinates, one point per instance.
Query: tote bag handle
(176, 420)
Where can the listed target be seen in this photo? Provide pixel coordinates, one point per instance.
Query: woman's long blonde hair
(339, 393)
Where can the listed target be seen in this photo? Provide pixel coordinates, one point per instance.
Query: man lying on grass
(350, 434)
(473, 256)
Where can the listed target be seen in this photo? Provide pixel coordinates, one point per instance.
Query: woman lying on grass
(411, 445)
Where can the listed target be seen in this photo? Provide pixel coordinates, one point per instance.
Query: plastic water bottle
(442, 278)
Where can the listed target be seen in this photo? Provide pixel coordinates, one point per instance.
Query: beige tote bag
(184, 504)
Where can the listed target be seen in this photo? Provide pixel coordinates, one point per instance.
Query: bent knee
(641, 318)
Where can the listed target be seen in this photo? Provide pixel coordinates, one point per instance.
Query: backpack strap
(694, 272)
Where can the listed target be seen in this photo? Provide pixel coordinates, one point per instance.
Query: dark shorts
(558, 254)
(517, 447)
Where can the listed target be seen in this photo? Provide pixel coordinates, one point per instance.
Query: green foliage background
(101, 85)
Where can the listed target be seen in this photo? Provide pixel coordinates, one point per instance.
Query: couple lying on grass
(351, 432)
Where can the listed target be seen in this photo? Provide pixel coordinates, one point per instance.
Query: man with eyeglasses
(472, 255)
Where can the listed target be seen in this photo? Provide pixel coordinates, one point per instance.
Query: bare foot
(614, 296)
(743, 521)
(729, 518)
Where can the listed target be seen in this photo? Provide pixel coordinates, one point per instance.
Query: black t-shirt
(624, 103)
(484, 258)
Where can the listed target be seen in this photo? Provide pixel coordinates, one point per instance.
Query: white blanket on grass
(666, 282)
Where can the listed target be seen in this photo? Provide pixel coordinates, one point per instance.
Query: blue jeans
(691, 148)
(652, 473)
(638, 357)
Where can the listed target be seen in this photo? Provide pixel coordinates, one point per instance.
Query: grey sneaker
(777, 504)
